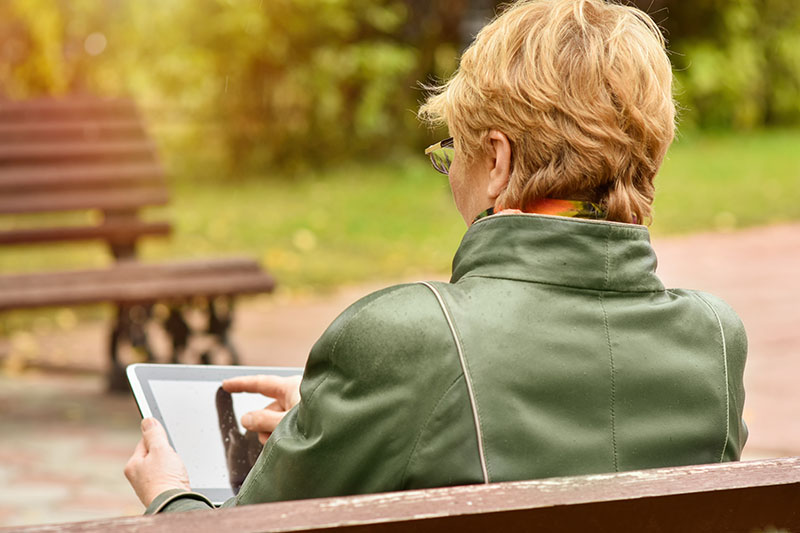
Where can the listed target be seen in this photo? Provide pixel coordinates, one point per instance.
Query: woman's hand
(154, 466)
(285, 391)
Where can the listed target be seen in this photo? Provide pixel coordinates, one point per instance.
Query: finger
(153, 434)
(263, 421)
(272, 386)
(275, 406)
(262, 437)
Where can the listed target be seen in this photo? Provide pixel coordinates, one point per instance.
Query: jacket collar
(571, 252)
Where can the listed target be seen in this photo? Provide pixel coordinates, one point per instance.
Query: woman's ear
(500, 160)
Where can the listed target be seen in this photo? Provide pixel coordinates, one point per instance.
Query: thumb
(153, 434)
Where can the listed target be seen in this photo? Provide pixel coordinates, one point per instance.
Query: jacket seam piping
(537, 282)
(613, 399)
(608, 258)
(725, 367)
(467, 379)
(424, 426)
(306, 402)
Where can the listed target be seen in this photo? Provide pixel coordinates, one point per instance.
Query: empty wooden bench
(86, 154)
(747, 497)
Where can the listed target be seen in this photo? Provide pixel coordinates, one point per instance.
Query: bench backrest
(757, 496)
(79, 154)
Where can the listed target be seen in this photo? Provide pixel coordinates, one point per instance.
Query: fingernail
(147, 423)
(247, 419)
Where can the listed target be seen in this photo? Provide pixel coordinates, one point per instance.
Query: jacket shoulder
(732, 326)
(398, 321)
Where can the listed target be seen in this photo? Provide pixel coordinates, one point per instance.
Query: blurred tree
(303, 80)
(288, 82)
(744, 70)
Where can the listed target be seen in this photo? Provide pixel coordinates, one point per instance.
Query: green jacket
(555, 350)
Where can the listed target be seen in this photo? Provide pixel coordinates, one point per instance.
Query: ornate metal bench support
(131, 328)
(220, 319)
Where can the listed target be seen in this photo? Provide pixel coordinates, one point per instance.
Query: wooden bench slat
(139, 291)
(113, 200)
(18, 179)
(132, 271)
(110, 232)
(49, 151)
(53, 109)
(731, 497)
(16, 133)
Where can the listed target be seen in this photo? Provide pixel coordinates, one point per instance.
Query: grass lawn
(384, 221)
(725, 182)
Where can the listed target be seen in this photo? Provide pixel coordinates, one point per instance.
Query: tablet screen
(203, 421)
(189, 410)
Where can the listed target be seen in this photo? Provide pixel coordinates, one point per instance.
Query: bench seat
(747, 497)
(135, 283)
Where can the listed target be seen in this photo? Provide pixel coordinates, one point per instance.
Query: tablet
(203, 422)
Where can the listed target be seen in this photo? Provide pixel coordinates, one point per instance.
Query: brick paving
(64, 440)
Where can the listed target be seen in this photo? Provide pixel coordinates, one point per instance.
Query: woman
(555, 349)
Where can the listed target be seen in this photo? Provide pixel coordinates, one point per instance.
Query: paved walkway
(64, 441)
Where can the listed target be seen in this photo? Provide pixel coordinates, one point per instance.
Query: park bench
(93, 156)
(748, 497)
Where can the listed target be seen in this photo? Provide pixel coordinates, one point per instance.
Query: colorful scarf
(551, 206)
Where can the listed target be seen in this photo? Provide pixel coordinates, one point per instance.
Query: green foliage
(748, 74)
(295, 81)
(289, 84)
(266, 82)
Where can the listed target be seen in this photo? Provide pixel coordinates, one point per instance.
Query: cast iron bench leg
(219, 312)
(178, 331)
(220, 319)
(130, 325)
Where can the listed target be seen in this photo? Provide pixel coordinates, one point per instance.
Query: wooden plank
(733, 497)
(48, 151)
(110, 232)
(64, 108)
(133, 271)
(117, 199)
(19, 132)
(144, 291)
(19, 179)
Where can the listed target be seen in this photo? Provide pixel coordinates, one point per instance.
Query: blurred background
(288, 131)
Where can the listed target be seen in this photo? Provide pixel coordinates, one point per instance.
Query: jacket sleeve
(177, 500)
(366, 390)
(368, 385)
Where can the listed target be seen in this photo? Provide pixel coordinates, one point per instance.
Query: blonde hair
(583, 91)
